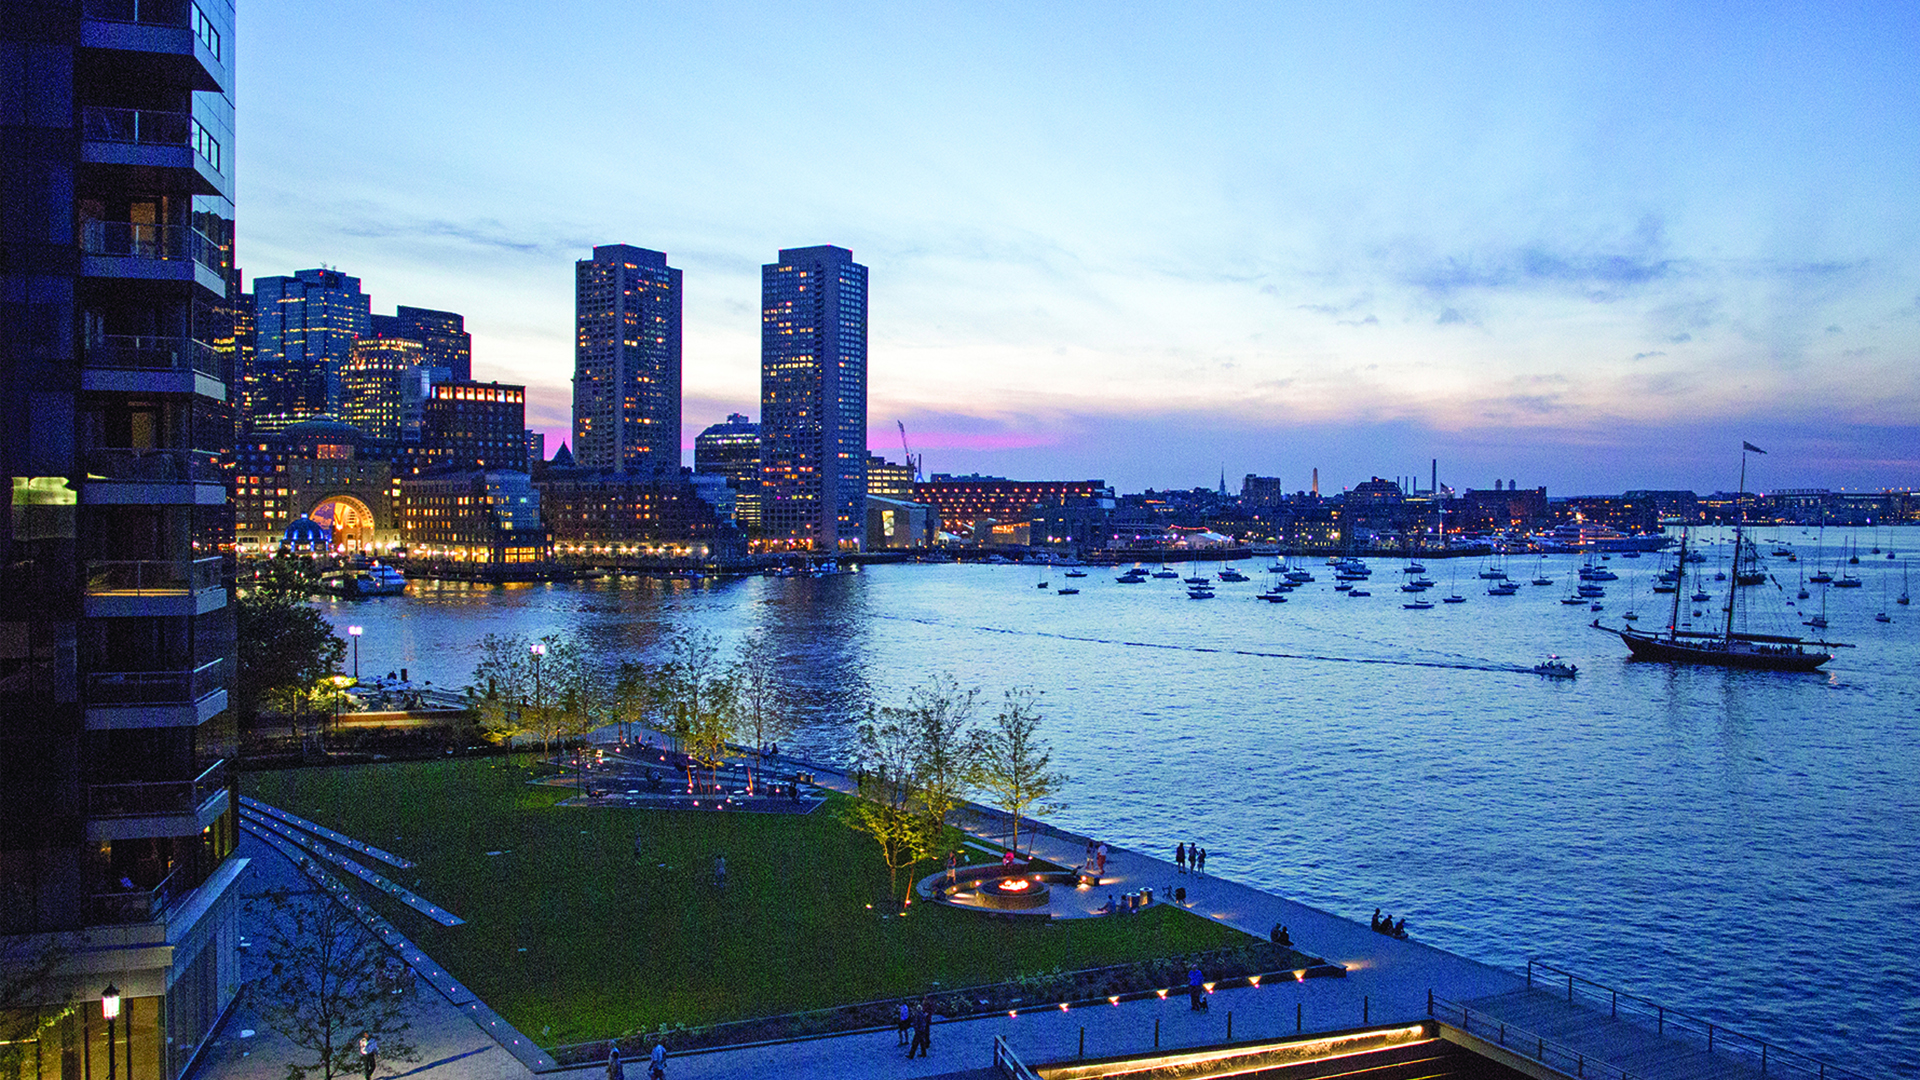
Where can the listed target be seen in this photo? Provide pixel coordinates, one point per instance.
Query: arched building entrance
(350, 520)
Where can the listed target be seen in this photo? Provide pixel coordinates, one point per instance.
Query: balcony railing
(153, 798)
(145, 353)
(151, 127)
(163, 243)
(155, 687)
(178, 13)
(154, 466)
(151, 577)
(132, 904)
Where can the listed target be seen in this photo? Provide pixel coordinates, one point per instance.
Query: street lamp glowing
(354, 632)
(110, 1002)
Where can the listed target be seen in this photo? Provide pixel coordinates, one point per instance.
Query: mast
(1679, 585)
(1739, 536)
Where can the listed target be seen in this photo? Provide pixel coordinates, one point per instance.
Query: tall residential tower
(813, 398)
(305, 327)
(117, 812)
(626, 373)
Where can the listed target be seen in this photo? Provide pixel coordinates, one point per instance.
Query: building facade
(487, 517)
(732, 450)
(962, 502)
(594, 512)
(475, 426)
(626, 373)
(441, 335)
(117, 817)
(304, 330)
(373, 387)
(813, 399)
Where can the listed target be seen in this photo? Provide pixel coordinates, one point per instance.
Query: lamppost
(538, 649)
(110, 1008)
(354, 632)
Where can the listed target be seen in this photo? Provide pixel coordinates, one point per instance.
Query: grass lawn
(571, 938)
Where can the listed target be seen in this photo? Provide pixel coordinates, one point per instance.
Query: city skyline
(1582, 249)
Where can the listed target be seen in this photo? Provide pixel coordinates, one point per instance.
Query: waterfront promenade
(1387, 981)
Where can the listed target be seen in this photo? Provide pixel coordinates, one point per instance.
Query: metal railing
(1008, 1063)
(151, 466)
(132, 905)
(1770, 1059)
(182, 687)
(161, 243)
(149, 353)
(1523, 1042)
(152, 577)
(149, 798)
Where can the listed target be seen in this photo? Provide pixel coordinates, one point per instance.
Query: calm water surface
(1742, 845)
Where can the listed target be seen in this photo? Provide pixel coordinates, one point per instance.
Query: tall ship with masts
(1728, 646)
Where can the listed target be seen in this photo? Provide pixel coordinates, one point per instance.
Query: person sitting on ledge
(1400, 929)
(1281, 937)
(1376, 920)
(1109, 907)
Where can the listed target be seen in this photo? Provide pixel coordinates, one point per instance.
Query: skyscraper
(372, 387)
(442, 335)
(626, 374)
(813, 398)
(304, 330)
(117, 814)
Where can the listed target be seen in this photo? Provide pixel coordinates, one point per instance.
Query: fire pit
(1013, 893)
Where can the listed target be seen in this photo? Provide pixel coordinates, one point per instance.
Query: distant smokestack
(1316, 480)
(1433, 485)
(1513, 485)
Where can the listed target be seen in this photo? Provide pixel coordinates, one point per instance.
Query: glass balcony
(154, 466)
(155, 687)
(144, 353)
(164, 243)
(156, 798)
(151, 127)
(133, 904)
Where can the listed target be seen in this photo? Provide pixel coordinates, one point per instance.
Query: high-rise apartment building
(304, 330)
(444, 341)
(626, 375)
(117, 816)
(813, 398)
(475, 426)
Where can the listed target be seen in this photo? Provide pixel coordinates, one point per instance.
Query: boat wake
(1463, 664)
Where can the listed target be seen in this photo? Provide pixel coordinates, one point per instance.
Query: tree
(1016, 765)
(502, 691)
(322, 989)
(888, 787)
(28, 1010)
(686, 681)
(945, 746)
(285, 647)
(762, 699)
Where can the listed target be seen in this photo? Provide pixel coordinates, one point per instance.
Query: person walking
(1196, 991)
(1180, 857)
(1100, 858)
(905, 1024)
(922, 1028)
(720, 871)
(615, 1070)
(369, 1052)
(657, 1062)
(953, 867)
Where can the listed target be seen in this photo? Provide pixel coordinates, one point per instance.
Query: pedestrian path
(330, 835)
(353, 866)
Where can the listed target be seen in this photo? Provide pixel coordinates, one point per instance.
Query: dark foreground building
(117, 821)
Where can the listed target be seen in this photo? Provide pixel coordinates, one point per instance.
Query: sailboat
(1727, 647)
(1904, 598)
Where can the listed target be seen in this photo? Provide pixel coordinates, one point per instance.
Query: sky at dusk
(1590, 247)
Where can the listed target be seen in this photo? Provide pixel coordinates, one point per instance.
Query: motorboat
(1555, 668)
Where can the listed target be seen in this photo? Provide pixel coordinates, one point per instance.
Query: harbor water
(1740, 845)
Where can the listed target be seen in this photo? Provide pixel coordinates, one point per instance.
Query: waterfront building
(304, 330)
(732, 450)
(962, 501)
(626, 374)
(321, 470)
(442, 336)
(813, 399)
(1261, 491)
(476, 517)
(598, 512)
(372, 388)
(474, 425)
(898, 524)
(887, 480)
(1509, 508)
(117, 812)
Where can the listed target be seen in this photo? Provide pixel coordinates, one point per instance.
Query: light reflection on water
(1740, 845)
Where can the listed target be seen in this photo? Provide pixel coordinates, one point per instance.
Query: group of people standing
(1097, 856)
(1190, 856)
(916, 1020)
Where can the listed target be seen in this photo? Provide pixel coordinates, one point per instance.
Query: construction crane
(913, 459)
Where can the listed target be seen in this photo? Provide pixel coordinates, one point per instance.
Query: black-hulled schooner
(1727, 647)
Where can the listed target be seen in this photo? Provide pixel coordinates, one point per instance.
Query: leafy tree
(1016, 765)
(763, 715)
(285, 647)
(888, 787)
(27, 1013)
(501, 694)
(945, 746)
(322, 989)
(693, 675)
